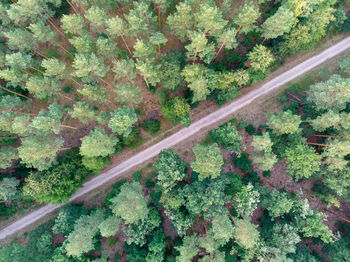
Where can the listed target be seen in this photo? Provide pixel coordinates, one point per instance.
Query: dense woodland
(79, 81)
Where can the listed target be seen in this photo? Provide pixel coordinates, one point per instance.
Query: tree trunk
(8, 90)
(127, 47)
(64, 148)
(76, 12)
(71, 127)
(24, 71)
(146, 82)
(316, 144)
(36, 69)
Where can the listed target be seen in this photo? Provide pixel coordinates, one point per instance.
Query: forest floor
(255, 114)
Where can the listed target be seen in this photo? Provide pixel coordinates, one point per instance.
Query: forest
(83, 80)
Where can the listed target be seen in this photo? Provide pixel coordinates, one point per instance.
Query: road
(183, 134)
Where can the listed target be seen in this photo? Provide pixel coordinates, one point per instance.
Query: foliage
(277, 203)
(208, 161)
(260, 58)
(245, 233)
(66, 218)
(246, 201)
(130, 204)
(227, 136)
(243, 162)
(9, 190)
(122, 120)
(284, 123)
(177, 110)
(95, 164)
(109, 226)
(151, 126)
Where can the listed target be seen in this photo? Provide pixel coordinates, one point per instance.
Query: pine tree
(128, 94)
(279, 24)
(122, 120)
(43, 87)
(21, 125)
(247, 17)
(124, 69)
(109, 226)
(7, 155)
(96, 16)
(264, 159)
(199, 47)
(318, 22)
(54, 68)
(73, 24)
(227, 136)
(197, 74)
(39, 151)
(334, 154)
(182, 20)
(83, 111)
(209, 20)
(117, 27)
(83, 44)
(144, 51)
(106, 47)
(20, 40)
(86, 65)
(9, 189)
(227, 39)
(246, 234)
(94, 93)
(48, 122)
(208, 161)
(43, 33)
(98, 143)
(149, 71)
(158, 39)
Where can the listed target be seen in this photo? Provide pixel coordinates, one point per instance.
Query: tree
(58, 183)
(344, 65)
(9, 190)
(122, 120)
(98, 143)
(7, 155)
(156, 247)
(338, 180)
(335, 153)
(177, 110)
(43, 87)
(297, 40)
(83, 111)
(95, 164)
(245, 234)
(96, 17)
(21, 125)
(199, 47)
(149, 71)
(47, 122)
(86, 65)
(197, 76)
(81, 240)
(39, 151)
(222, 228)
(109, 226)
(170, 169)
(124, 69)
(277, 203)
(141, 19)
(94, 93)
(83, 44)
(73, 24)
(332, 94)
(158, 39)
(128, 94)
(117, 27)
(20, 40)
(209, 20)
(247, 17)
(188, 250)
(284, 237)
(54, 68)
(64, 222)
(227, 136)
(260, 58)
(42, 33)
(144, 51)
(284, 123)
(227, 39)
(264, 159)
(246, 201)
(130, 204)
(205, 198)
(318, 22)
(279, 24)
(182, 20)
(208, 161)
(302, 161)
(106, 47)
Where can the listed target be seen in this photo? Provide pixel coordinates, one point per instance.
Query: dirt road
(183, 134)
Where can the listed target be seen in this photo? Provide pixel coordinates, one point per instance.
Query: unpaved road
(183, 134)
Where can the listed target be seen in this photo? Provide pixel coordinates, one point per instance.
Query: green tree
(106, 47)
(245, 234)
(122, 120)
(302, 161)
(43, 87)
(86, 65)
(158, 39)
(109, 226)
(227, 136)
(265, 159)
(47, 122)
(209, 20)
(81, 240)
(284, 123)
(222, 228)
(279, 23)
(177, 110)
(58, 183)
(335, 153)
(128, 94)
(96, 16)
(64, 222)
(20, 40)
(277, 203)
(94, 93)
(260, 58)
(170, 169)
(98, 143)
(95, 164)
(182, 20)
(318, 22)
(208, 161)
(83, 111)
(227, 39)
(246, 201)
(7, 155)
(117, 27)
(297, 40)
(284, 237)
(83, 44)
(149, 71)
(130, 204)
(199, 47)
(247, 17)
(197, 76)
(332, 94)
(188, 250)
(39, 151)
(54, 68)
(42, 33)
(144, 51)
(124, 69)
(141, 19)
(9, 190)
(73, 24)
(156, 247)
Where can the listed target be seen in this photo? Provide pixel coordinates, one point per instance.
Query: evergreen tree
(96, 16)
(209, 20)
(42, 33)
(335, 153)
(43, 87)
(83, 44)
(9, 190)
(87, 64)
(227, 136)
(199, 46)
(54, 68)
(7, 155)
(94, 93)
(284, 123)
(247, 17)
(73, 24)
(260, 58)
(83, 111)
(182, 20)
(109, 226)
(128, 94)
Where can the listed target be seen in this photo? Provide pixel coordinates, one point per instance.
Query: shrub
(133, 140)
(234, 183)
(266, 173)
(96, 164)
(151, 126)
(243, 162)
(252, 178)
(250, 129)
(137, 176)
